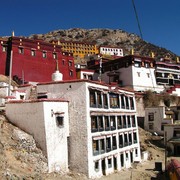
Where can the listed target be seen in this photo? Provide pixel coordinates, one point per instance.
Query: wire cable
(137, 19)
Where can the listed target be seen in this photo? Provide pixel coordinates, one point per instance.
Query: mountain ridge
(108, 37)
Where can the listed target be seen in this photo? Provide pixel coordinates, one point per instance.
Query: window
(135, 137)
(102, 146)
(70, 73)
(92, 99)
(54, 55)
(127, 102)
(21, 50)
(122, 102)
(114, 143)
(70, 63)
(63, 62)
(99, 100)
(105, 100)
(137, 64)
(100, 123)
(95, 147)
(136, 152)
(33, 53)
(94, 125)
(96, 166)
(151, 126)
(176, 133)
(109, 163)
(138, 73)
(60, 121)
(4, 48)
(113, 122)
(108, 144)
(129, 121)
(148, 75)
(131, 102)
(107, 123)
(126, 156)
(124, 121)
(125, 140)
(119, 122)
(151, 117)
(120, 141)
(44, 54)
(147, 65)
(130, 138)
(133, 121)
(114, 100)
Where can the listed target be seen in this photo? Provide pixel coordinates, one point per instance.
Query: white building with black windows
(102, 124)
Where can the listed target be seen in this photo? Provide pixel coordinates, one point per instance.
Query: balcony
(119, 126)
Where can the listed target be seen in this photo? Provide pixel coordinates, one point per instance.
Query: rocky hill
(117, 38)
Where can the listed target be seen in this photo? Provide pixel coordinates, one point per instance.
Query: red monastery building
(34, 60)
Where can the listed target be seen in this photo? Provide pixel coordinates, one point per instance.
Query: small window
(151, 117)
(109, 163)
(33, 53)
(151, 126)
(139, 74)
(4, 48)
(60, 121)
(70, 63)
(70, 73)
(63, 62)
(96, 166)
(148, 75)
(21, 50)
(44, 54)
(54, 55)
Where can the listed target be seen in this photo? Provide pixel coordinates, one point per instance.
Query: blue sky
(159, 19)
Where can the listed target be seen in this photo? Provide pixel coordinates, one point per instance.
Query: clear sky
(159, 19)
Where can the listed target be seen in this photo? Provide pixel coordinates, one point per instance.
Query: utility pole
(165, 138)
(100, 69)
(10, 73)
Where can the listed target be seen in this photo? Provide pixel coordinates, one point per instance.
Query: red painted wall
(36, 68)
(2, 57)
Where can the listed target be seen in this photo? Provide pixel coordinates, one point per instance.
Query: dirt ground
(21, 159)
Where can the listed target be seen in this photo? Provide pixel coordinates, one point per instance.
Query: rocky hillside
(117, 38)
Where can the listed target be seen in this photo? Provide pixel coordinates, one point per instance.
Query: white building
(135, 72)
(111, 51)
(48, 122)
(103, 126)
(172, 138)
(156, 118)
